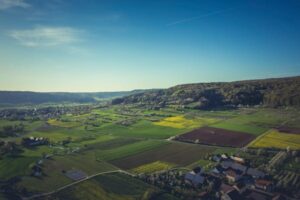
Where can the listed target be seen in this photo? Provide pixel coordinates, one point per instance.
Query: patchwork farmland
(137, 140)
(179, 154)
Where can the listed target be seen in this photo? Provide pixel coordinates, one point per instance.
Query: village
(232, 178)
(42, 113)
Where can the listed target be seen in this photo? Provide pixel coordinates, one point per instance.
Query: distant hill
(266, 92)
(16, 97)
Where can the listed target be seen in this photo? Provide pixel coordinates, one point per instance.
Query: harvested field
(289, 130)
(180, 154)
(217, 137)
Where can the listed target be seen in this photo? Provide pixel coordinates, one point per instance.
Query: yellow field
(153, 167)
(181, 122)
(55, 122)
(276, 139)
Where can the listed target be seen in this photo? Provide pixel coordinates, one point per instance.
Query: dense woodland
(268, 92)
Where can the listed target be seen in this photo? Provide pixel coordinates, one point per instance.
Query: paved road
(76, 182)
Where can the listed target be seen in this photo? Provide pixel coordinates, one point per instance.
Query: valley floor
(88, 154)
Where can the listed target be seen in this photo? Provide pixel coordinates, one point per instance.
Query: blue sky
(110, 45)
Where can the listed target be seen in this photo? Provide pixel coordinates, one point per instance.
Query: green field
(153, 167)
(54, 167)
(15, 166)
(256, 122)
(132, 139)
(111, 186)
(179, 154)
(128, 150)
(142, 129)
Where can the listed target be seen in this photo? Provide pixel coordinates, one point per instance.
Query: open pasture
(276, 139)
(179, 154)
(110, 142)
(64, 124)
(217, 137)
(109, 186)
(128, 150)
(142, 129)
(58, 135)
(15, 166)
(28, 126)
(90, 140)
(55, 167)
(256, 122)
(235, 125)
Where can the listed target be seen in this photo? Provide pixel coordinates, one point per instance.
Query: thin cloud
(46, 36)
(7, 4)
(198, 17)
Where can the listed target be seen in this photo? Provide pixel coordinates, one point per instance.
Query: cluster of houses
(43, 113)
(34, 141)
(235, 180)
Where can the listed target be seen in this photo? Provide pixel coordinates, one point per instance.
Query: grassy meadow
(112, 186)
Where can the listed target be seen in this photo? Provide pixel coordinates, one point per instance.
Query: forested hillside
(267, 92)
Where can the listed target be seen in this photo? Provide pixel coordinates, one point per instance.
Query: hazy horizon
(94, 46)
(145, 88)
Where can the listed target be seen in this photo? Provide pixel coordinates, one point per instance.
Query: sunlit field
(153, 167)
(276, 139)
(181, 122)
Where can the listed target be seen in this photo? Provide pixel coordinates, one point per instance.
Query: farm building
(218, 169)
(233, 175)
(263, 184)
(217, 158)
(238, 159)
(240, 187)
(36, 171)
(236, 166)
(232, 195)
(229, 193)
(255, 173)
(257, 195)
(224, 156)
(34, 141)
(195, 177)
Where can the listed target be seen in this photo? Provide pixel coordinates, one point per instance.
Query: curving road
(76, 182)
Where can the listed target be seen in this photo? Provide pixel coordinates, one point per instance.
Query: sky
(117, 45)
